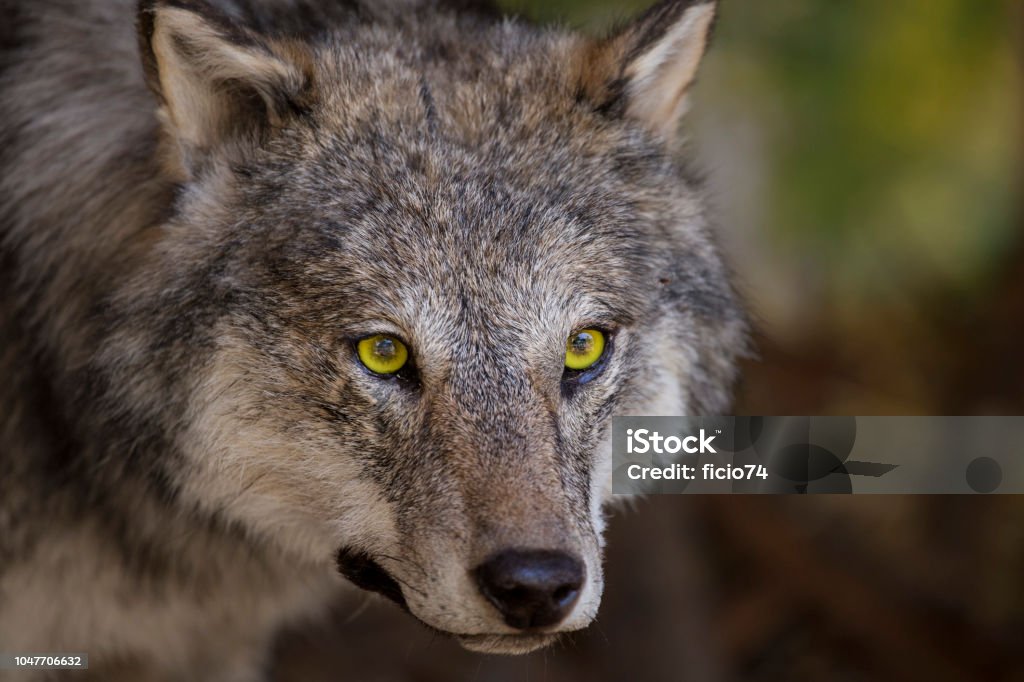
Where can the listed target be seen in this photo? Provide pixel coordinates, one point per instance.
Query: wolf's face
(436, 259)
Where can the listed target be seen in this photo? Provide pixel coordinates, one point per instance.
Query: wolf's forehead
(469, 254)
(505, 260)
(472, 87)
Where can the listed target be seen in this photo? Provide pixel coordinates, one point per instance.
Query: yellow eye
(584, 349)
(383, 354)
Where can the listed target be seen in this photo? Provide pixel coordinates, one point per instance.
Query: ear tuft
(216, 80)
(645, 70)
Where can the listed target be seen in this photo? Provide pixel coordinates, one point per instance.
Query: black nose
(531, 588)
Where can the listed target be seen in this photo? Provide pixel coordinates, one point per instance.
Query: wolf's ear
(216, 80)
(644, 70)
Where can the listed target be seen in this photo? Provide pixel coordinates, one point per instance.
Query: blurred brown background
(866, 165)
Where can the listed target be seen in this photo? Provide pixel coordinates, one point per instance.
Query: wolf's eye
(584, 349)
(383, 354)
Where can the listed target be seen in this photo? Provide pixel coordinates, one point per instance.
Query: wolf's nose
(531, 588)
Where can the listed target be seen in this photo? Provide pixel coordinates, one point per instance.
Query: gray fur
(187, 438)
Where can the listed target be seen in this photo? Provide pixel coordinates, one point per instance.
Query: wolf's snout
(531, 588)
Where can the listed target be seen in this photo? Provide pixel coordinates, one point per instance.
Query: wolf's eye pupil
(582, 344)
(385, 349)
(583, 349)
(383, 354)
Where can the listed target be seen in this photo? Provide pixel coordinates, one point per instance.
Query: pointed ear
(215, 80)
(644, 70)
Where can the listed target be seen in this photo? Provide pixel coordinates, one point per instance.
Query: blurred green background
(864, 159)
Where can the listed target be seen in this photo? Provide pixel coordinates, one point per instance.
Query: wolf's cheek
(279, 475)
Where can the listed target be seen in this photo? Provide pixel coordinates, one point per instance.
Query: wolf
(299, 295)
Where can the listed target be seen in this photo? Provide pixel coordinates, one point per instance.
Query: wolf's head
(416, 263)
